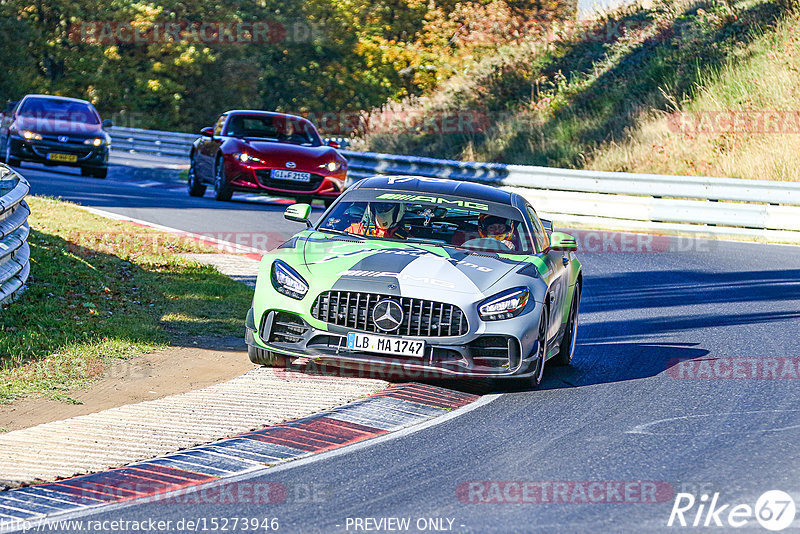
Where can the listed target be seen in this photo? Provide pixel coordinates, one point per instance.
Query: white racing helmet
(387, 214)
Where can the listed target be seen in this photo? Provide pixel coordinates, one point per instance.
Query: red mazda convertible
(263, 152)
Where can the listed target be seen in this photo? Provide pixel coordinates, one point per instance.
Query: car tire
(567, 350)
(9, 159)
(196, 187)
(86, 171)
(266, 358)
(222, 190)
(534, 380)
(100, 173)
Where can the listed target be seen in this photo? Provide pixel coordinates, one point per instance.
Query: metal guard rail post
(715, 207)
(14, 250)
(156, 142)
(718, 207)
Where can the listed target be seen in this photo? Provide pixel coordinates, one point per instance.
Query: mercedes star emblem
(387, 315)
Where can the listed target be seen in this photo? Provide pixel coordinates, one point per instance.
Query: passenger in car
(494, 227)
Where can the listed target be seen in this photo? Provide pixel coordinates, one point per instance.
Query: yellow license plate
(69, 158)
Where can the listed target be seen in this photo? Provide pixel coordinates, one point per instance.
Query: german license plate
(293, 176)
(385, 345)
(69, 158)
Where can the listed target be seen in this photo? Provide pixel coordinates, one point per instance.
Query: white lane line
(147, 184)
(644, 428)
(261, 470)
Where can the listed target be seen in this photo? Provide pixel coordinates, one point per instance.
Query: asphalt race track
(626, 411)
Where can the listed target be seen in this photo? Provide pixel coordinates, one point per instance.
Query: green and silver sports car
(420, 277)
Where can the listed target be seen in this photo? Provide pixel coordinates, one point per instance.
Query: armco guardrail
(155, 142)
(14, 251)
(158, 142)
(756, 209)
(723, 207)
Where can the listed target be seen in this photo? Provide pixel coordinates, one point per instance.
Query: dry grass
(760, 86)
(102, 290)
(580, 102)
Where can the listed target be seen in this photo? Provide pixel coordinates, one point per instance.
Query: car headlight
(244, 157)
(332, 166)
(30, 136)
(96, 141)
(504, 305)
(285, 280)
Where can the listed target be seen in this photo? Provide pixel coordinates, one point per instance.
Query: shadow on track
(664, 289)
(625, 349)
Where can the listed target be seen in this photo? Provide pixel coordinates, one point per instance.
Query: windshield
(485, 230)
(273, 128)
(57, 109)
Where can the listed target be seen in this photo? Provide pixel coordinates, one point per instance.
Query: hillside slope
(686, 87)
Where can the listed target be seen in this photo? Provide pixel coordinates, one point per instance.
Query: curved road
(626, 410)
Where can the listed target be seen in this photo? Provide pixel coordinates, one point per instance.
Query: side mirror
(208, 131)
(548, 225)
(334, 144)
(298, 213)
(107, 123)
(561, 242)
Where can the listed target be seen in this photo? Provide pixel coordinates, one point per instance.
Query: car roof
(439, 186)
(54, 97)
(263, 113)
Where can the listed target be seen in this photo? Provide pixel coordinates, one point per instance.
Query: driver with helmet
(494, 227)
(381, 219)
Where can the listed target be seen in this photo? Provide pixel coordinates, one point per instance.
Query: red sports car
(264, 152)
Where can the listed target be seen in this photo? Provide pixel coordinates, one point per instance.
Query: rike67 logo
(774, 510)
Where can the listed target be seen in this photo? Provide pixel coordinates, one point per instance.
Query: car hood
(280, 153)
(59, 127)
(362, 265)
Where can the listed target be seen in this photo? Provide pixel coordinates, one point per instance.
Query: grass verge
(103, 289)
(605, 97)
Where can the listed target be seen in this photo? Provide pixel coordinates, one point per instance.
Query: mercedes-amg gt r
(434, 278)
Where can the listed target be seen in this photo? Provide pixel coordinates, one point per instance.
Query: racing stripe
(433, 277)
(483, 269)
(378, 268)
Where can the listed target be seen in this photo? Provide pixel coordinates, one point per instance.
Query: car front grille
(265, 178)
(490, 347)
(41, 148)
(286, 328)
(71, 140)
(423, 318)
(491, 351)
